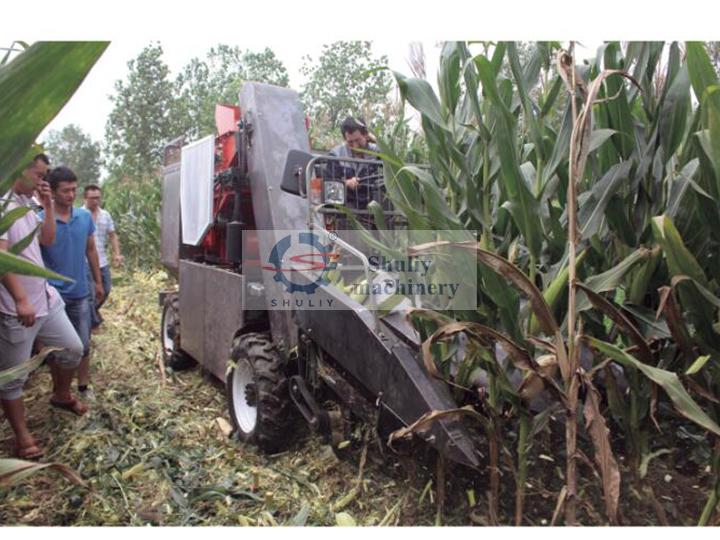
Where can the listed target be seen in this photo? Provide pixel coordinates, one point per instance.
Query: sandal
(75, 406)
(31, 452)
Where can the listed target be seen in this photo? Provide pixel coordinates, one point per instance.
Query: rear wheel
(173, 356)
(257, 392)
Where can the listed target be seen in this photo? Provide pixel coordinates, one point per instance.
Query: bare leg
(84, 371)
(15, 413)
(62, 379)
(54, 369)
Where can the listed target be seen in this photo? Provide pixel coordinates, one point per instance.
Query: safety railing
(362, 181)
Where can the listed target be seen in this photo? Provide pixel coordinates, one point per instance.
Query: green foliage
(265, 67)
(72, 147)
(346, 80)
(217, 79)
(135, 207)
(143, 118)
(152, 109)
(34, 87)
(648, 207)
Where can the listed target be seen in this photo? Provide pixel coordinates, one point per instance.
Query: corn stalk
(564, 192)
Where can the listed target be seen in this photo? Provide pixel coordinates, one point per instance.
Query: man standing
(360, 179)
(74, 242)
(104, 229)
(30, 309)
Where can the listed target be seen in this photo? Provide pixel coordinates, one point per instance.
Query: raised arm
(47, 230)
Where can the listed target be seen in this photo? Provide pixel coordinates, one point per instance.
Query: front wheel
(173, 356)
(257, 392)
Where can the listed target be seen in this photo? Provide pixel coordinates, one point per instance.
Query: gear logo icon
(318, 260)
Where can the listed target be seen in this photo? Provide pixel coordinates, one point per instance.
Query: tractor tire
(257, 393)
(173, 356)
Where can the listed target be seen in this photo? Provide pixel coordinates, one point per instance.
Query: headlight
(334, 192)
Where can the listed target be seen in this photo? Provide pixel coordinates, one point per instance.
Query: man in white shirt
(30, 308)
(104, 230)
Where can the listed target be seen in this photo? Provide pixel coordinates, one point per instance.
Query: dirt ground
(153, 450)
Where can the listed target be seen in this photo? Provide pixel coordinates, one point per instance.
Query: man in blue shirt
(74, 242)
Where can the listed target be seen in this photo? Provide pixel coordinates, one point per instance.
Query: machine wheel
(257, 392)
(173, 356)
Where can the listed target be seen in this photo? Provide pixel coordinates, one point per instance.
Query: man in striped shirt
(104, 230)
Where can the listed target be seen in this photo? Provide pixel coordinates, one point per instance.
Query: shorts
(16, 341)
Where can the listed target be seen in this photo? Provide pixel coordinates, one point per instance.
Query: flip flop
(75, 406)
(31, 452)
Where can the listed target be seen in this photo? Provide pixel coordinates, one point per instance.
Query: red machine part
(226, 120)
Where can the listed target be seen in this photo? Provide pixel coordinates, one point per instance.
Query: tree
(143, 118)
(217, 79)
(265, 67)
(346, 80)
(72, 147)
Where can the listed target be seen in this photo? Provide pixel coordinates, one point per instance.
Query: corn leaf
(522, 204)
(19, 247)
(14, 471)
(675, 111)
(619, 318)
(8, 218)
(449, 75)
(592, 213)
(34, 86)
(530, 115)
(619, 115)
(12, 263)
(680, 260)
(604, 457)
(420, 95)
(705, 84)
(26, 367)
(667, 380)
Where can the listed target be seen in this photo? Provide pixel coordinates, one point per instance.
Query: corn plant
(34, 86)
(135, 206)
(576, 202)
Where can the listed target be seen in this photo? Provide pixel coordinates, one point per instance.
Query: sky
(294, 30)
(90, 105)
